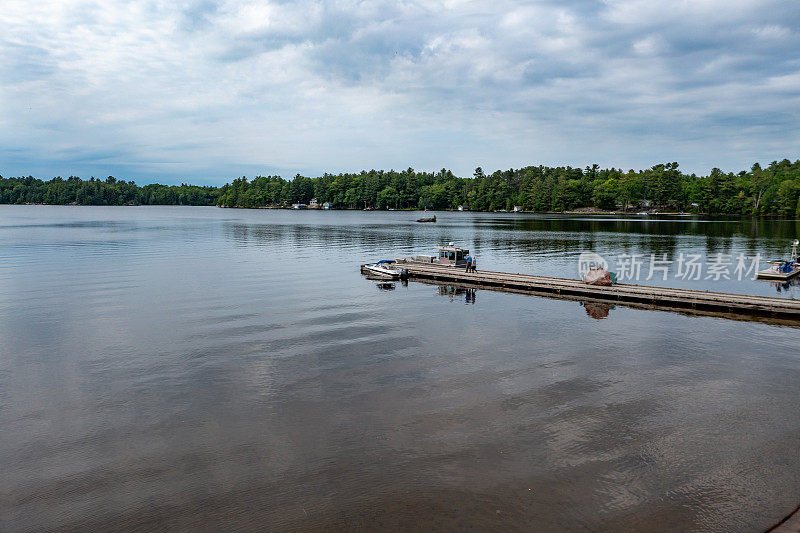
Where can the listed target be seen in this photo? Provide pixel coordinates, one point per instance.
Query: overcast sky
(204, 91)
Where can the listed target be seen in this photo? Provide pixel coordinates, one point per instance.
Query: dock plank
(663, 297)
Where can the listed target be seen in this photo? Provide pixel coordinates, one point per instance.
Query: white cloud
(773, 31)
(147, 88)
(649, 46)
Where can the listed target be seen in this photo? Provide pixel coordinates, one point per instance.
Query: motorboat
(385, 269)
(450, 255)
(782, 270)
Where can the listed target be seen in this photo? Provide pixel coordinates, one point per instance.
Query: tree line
(110, 191)
(772, 190)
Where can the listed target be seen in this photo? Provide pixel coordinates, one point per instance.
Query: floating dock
(727, 305)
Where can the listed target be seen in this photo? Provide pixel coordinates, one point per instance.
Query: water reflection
(787, 288)
(385, 284)
(168, 367)
(454, 292)
(717, 227)
(598, 310)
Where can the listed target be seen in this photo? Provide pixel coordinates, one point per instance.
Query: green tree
(606, 194)
(788, 192)
(388, 197)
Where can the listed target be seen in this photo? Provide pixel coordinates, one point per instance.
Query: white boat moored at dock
(383, 269)
(782, 270)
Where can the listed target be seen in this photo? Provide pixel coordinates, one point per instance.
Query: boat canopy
(386, 261)
(452, 255)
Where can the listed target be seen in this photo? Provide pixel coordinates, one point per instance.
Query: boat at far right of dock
(782, 270)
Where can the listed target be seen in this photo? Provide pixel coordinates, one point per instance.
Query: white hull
(382, 271)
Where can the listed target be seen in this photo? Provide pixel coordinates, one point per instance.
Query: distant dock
(727, 305)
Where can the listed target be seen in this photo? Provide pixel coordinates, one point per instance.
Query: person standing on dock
(473, 264)
(469, 263)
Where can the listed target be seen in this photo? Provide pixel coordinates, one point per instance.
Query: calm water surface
(207, 369)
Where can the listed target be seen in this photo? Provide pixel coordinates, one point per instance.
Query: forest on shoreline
(772, 190)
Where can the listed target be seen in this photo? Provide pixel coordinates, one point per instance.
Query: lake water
(213, 369)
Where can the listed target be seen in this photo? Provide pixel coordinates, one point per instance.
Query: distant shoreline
(664, 188)
(583, 212)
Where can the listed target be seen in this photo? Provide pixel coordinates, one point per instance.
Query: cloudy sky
(204, 91)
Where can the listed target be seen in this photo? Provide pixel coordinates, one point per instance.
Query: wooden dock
(727, 305)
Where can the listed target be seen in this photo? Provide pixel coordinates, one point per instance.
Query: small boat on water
(782, 270)
(450, 255)
(385, 269)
